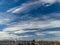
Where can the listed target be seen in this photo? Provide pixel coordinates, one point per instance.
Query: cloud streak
(20, 28)
(28, 6)
(6, 18)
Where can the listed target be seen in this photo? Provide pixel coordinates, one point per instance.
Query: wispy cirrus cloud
(24, 7)
(6, 18)
(28, 6)
(7, 36)
(20, 28)
(48, 35)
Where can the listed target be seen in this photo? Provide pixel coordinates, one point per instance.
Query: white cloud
(24, 31)
(5, 18)
(40, 34)
(25, 36)
(44, 35)
(28, 6)
(48, 2)
(18, 28)
(23, 7)
(13, 36)
(3, 34)
(33, 24)
(52, 32)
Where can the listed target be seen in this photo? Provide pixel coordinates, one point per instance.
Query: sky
(30, 20)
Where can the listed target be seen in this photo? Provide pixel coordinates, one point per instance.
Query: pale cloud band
(19, 27)
(35, 4)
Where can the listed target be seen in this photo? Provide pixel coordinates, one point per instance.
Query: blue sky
(30, 19)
